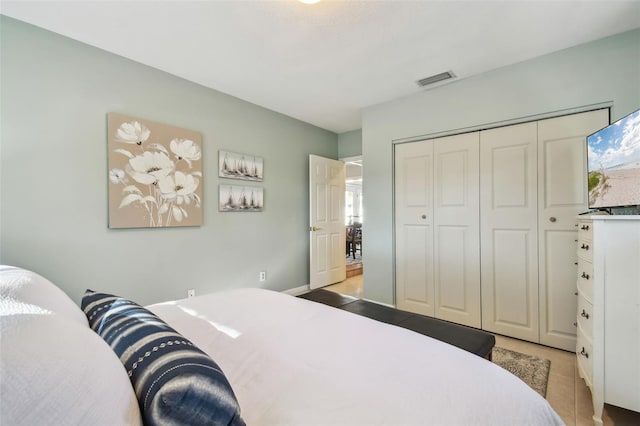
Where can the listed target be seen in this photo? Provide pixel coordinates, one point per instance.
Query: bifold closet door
(437, 228)
(562, 194)
(508, 212)
(456, 238)
(414, 227)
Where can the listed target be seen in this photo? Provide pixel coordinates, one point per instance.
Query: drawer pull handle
(575, 294)
(585, 275)
(552, 219)
(424, 216)
(584, 353)
(584, 314)
(585, 247)
(585, 227)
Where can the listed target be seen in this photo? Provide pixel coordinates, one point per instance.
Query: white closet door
(508, 212)
(562, 194)
(414, 227)
(457, 229)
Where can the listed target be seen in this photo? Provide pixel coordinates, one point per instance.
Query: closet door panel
(508, 213)
(416, 264)
(456, 229)
(414, 227)
(562, 194)
(559, 306)
(451, 270)
(511, 280)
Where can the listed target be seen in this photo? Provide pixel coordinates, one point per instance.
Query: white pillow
(57, 372)
(25, 291)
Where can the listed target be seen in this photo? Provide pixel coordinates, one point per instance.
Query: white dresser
(608, 336)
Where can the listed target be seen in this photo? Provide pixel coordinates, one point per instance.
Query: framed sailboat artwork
(235, 198)
(240, 166)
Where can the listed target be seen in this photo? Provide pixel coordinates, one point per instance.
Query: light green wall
(350, 144)
(606, 70)
(56, 93)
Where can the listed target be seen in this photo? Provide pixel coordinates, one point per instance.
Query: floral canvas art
(155, 174)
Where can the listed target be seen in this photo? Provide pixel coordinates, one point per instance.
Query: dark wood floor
(467, 338)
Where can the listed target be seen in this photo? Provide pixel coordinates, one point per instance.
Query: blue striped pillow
(175, 382)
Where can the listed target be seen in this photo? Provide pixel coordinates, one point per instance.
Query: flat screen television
(613, 155)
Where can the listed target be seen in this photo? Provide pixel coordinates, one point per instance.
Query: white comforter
(295, 362)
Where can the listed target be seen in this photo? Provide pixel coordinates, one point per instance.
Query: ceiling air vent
(435, 78)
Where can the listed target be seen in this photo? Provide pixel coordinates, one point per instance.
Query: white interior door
(414, 227)
(456, 237)
(327, 227)
(508, 212)
(562, 194)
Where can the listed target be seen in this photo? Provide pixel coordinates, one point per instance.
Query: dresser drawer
(585, 278)
(584, 353)
(585, 249)
(585, 230)
(585, 315)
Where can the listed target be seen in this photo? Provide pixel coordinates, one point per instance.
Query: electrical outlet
(263, 276)
(191, 292)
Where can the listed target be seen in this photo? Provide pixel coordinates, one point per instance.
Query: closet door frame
(543, 328)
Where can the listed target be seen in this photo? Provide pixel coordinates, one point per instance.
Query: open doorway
(354, 235)
(354, 215)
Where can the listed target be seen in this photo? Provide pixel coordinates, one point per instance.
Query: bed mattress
(295, 362)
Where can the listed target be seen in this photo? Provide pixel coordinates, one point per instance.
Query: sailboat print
(238, 166)
(234, 198)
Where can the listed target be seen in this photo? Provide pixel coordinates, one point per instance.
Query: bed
(275, 360)
(295, 362)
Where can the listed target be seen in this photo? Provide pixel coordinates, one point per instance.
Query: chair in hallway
(356, 239)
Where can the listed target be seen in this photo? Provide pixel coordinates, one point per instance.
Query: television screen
(613, 155)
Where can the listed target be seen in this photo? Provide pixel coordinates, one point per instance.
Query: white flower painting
(155, 174)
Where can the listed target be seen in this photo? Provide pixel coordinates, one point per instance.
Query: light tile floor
(352, 286)
(566, 391)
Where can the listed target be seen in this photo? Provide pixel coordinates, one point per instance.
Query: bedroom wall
(56, 93)
(350, 144)
(604, 71)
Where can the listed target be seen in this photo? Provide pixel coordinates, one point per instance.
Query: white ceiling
(323, 63)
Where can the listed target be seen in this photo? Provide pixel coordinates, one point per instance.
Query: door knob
(313, 228)
(552, 219)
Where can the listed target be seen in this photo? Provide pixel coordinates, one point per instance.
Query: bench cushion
(470, 339)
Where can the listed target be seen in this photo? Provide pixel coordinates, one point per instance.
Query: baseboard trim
(297, 291)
